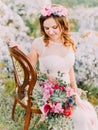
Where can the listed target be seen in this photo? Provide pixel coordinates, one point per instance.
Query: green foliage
(6, 123)
(41, 126)
(74, 25)
(9, 88)
(73, 3)
(33, 27)
(6, 104)
(92, 93)
(3, 72)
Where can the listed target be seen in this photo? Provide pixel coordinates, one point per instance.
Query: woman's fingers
(52, 79)
(13, 44)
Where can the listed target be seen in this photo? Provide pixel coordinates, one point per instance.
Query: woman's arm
(33, 56)
(35, 51)
(73, 82)
(72, 79)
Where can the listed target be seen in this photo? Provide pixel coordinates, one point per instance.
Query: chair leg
(13, 110)
(27, 121)
(28, 116)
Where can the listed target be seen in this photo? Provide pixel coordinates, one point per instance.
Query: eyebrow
(46, 27)
(52, 26)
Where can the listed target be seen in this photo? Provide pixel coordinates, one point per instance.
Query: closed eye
(55, 27)
(46, 28)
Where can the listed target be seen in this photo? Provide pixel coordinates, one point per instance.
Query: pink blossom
(46, 95)
(69, 91)
(46, 11)
(50, 92)
(47, 84)
(57, 108)
(47, 90)
(59, 11)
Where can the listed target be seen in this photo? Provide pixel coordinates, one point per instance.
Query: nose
(51, 31)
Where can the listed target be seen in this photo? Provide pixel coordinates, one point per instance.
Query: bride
(55, 51)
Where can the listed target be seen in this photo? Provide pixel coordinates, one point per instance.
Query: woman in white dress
(55, 53)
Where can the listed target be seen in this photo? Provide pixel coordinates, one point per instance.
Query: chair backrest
(24, 73)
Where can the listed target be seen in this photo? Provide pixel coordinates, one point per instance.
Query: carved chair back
(25, 78)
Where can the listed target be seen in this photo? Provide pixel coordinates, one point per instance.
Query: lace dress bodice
(54, 58)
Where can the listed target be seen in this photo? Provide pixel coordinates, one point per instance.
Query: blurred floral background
(19, 22)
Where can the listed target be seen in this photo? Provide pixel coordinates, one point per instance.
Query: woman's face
(52, 29)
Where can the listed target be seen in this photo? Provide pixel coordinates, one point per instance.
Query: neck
(56, 41)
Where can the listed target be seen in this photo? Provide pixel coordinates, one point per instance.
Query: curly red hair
(63, 23)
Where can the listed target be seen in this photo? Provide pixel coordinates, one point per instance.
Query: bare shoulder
(38, 41)
(37, 45)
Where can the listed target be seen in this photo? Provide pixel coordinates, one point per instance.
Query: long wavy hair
(63, 23)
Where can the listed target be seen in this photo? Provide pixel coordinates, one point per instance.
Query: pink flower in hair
(46, 11)
(55, 10)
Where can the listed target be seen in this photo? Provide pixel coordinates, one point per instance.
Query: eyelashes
(53, 27)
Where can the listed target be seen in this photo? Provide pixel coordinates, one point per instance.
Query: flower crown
(56, 10)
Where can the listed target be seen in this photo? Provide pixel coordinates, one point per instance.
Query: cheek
(46, 31)
(59, 31)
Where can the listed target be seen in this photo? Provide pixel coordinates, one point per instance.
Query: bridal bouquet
(57, 98)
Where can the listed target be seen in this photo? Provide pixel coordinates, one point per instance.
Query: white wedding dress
(56, 58)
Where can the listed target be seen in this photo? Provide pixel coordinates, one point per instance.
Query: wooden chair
(25, 79)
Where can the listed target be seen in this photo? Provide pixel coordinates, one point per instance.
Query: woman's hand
(52, 79)
(81, 91)
(11, 44)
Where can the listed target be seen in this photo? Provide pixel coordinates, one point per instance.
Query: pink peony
(47, 90)
(57, 107)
